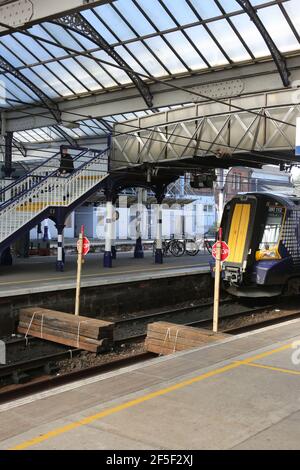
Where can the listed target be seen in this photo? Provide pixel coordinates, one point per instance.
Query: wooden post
(79, 267)
(217, 282)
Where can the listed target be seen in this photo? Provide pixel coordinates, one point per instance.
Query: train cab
(262, 232)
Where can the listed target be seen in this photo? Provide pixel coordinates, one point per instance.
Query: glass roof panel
(181, 11)
(144, 49)
(34, 75)
(293, 10)
(61, 35)
(70, 132)
(157, 13)
(251, 35)
(44, 134)
(21, 136)
(32, 136)
(278, 28)
(207, 46)
(18, 89)
(71, 80)
(111, 17)
(136, 18)
(82, 80)
(98, 25)
(116, 72)
(207, 9)
(130, 60)
(52, 49)
(165, 54)
(19, 50)
(8, 55)
(7, 98)
(259, 2)
(230, 5)
(184, 48)
(229, 40)
(83, 41)
(98, 74)
(37, 50)
(62, 80)
(146, 58)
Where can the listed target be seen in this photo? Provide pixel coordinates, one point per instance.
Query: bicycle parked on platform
(190, 247)
(170, 247)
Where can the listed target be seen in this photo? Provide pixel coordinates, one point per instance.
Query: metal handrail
(53, 191)
(27, 174)
(31, 173)
(26, 191)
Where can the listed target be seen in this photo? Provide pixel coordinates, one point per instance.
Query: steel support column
(138, 250)
(7, 168)
(160, 192)
(107, 261)
(60, 261)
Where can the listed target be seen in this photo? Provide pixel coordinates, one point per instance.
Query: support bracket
(278, 58)
(77, 23)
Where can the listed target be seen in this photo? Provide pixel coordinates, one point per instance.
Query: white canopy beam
(248, 80)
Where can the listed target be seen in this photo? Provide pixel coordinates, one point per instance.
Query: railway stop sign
(224, 251)
(85, 246)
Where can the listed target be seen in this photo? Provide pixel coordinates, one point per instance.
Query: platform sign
(85, 246)
(297, 145)
(224, 251)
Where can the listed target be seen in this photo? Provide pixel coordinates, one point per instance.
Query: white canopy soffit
(96, 63)
(24, 13)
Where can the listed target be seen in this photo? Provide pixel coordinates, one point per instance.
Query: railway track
(37, 372)
(237, 322)
(44, 382)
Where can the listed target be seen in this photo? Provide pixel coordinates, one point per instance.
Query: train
(262, 231)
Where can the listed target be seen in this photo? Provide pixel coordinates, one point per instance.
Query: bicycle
(187, 246)
(172, 246)
(193, 246)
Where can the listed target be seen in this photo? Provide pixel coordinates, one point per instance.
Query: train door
(238, 231)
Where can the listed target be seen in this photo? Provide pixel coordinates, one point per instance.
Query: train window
(270, 238)
(272, 228)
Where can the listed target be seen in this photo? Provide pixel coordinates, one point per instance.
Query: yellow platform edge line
(274, 368)
(110, 411)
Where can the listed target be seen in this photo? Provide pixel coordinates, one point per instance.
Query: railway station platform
(37, 274)
(240, 393)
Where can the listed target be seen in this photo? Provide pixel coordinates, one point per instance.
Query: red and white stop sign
(85, 246)
(224, 250)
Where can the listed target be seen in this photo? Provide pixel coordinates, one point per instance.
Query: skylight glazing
(157, 38)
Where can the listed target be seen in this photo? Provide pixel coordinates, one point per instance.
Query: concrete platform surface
(37, 274)
(241, 393)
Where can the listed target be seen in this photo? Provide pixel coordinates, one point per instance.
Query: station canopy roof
(155, 38)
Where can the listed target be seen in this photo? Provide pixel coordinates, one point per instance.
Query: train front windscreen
(268, 246)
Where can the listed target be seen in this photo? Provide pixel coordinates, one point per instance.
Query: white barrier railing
(51, 191)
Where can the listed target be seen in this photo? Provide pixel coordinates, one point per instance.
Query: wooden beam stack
(167, 338)
(64, 328)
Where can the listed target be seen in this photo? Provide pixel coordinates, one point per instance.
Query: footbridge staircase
(40, 192)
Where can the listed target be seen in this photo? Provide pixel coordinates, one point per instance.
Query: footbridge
(221, 132)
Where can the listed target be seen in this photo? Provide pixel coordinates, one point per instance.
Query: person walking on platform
(66, 163)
